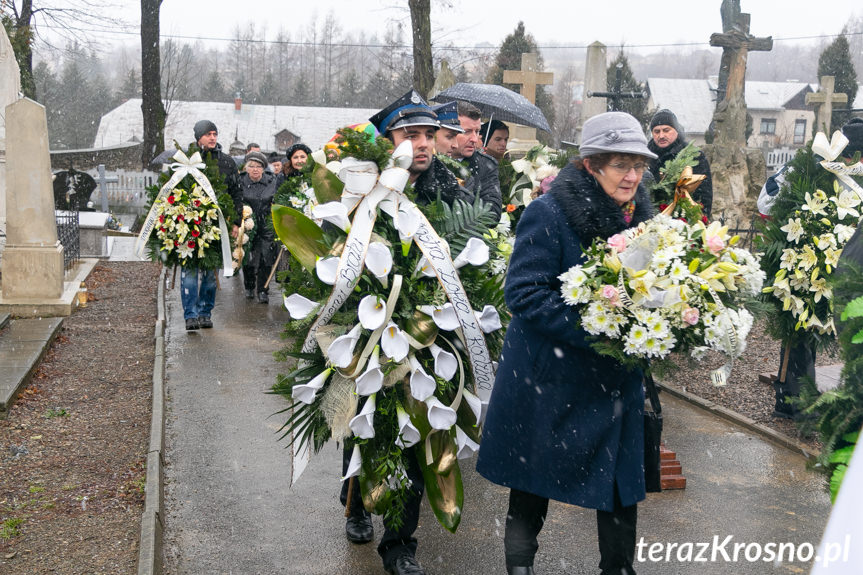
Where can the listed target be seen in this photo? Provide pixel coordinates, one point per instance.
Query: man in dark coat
(407, 119)
(668, 140)
(258, 189)
(200, 298)
(483, 180)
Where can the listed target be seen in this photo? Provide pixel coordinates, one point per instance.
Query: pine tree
(131, 86)
(634, 106)
(213, 89)
(836, 61)
(509, 58)
(301, 95)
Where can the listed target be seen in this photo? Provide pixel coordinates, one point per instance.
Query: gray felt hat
(258, 157)
(613, 133)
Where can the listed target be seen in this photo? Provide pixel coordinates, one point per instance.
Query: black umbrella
(496, 102)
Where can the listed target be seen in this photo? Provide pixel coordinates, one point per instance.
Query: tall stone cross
(10, 86)
(736, 43)
(824, 99)
(528, 78)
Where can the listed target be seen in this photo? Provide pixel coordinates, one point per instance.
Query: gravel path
(73, 449)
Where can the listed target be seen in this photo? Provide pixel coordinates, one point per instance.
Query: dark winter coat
(484, 180)
(259, 196)
(563, 421)
(228, 168)
(704, 192)
(436, 181)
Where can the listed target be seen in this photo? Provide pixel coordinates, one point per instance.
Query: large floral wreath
(397, 317)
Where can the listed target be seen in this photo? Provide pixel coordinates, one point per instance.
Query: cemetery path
(230, 508)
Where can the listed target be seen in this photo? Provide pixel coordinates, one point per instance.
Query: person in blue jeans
(199, 286)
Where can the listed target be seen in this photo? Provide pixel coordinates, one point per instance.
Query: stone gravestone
(523, 137)
(595, 80)
(33, 260)
(736, 181)
(824, 99)
(10, 86)
(445, 79)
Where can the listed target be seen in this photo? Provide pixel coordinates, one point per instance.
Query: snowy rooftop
(690, 100)
(693, 101)
(253, 123)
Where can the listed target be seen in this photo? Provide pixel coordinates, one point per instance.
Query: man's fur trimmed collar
(589, 211)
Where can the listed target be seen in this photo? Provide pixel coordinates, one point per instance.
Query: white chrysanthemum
(679, 271)
(574, 295)
(573, 277)
(637, 334)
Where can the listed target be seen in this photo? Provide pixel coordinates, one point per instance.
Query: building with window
(780, 116)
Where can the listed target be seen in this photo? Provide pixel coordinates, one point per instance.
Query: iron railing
(69, 234)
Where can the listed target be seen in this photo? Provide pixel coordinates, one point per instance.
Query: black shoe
(250, 293)
(405, 565)
(192, 324)
(263, 297)
(359, 530)
(519, 570)
(204, 322)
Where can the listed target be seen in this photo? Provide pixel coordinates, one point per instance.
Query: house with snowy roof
(274, 128)
(780, 116)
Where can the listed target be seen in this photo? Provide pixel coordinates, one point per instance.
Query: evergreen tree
(131, 86)
(213, 89)
(349, 91)
(509, 58)
(836, 61)
(301, 95)
(635, 106)
(267, 90)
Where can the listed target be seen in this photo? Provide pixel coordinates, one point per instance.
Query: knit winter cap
(204, 127)
(853, 130)
(256, 157)
(614, 133)
(665, 117)
(296, 147)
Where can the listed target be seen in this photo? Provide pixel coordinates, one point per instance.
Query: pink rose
(609, 292)
(690, 315)
(617, 242)
(715, 244)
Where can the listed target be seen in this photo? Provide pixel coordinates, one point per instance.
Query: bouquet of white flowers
(665, 286)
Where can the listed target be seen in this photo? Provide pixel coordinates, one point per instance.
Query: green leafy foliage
(460, 222)
(662, 191)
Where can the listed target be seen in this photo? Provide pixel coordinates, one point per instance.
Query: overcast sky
(633, 22)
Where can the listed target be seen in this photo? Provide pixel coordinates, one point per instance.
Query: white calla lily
(372, 312)
(341, 351)
(363, 423)
(445, 363)
(326, 269)
(305, 393)
(394, 343)
(408, 433)
(355, 464)
(475, 253)
(334, 212)
(379, 261)
(440, 416)
(423, 385)
(424, 268)
(465, 446)
(488, 318)
(407, 220)
(299, 307)
(372, 378)
(476, 405)
(444, 317)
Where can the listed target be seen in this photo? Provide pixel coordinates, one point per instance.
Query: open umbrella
(496, 102)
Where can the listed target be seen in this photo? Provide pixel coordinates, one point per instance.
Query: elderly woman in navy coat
(564, 422)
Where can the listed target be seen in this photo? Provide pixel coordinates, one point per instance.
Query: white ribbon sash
(182, 167)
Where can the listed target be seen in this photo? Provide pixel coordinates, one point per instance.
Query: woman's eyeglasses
(624, 169)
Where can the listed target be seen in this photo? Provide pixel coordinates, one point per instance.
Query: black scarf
(589, 211)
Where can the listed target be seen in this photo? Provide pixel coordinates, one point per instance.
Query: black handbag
(652, 438)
